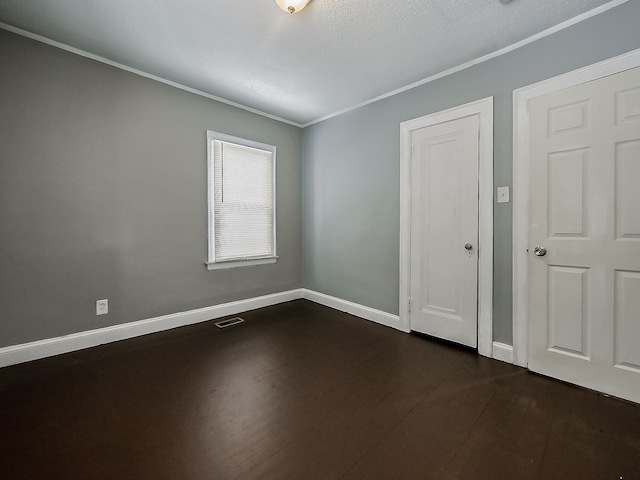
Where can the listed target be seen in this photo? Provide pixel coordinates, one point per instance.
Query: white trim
(521, 99)
(503, 352)
(97, 58)
(484, 109)
(77, 341)
(484, 58)
(368, 313)
(55, 346)
(240, 263)
(49, 347)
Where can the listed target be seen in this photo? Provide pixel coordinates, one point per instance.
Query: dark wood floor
(300, 391)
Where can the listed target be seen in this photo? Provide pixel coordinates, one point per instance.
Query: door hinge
(409, 305)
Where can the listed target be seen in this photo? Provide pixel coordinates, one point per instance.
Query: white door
(444, 230)
(584, 293)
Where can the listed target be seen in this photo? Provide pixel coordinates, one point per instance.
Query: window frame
(211, 262)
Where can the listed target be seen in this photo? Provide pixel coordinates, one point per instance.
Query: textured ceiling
(331, 56)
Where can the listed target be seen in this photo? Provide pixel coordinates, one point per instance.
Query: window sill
(240, 263)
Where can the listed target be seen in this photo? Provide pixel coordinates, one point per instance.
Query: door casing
(521, 199)
(484, 109)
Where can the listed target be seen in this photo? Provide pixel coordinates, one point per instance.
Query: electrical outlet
(102, 307)
(503, 194)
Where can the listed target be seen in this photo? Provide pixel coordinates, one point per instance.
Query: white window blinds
(242, 210)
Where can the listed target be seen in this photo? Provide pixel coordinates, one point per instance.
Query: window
(241, 183)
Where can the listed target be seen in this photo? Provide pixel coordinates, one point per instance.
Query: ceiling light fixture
(292, 6)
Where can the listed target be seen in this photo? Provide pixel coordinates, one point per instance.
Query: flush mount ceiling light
(292, 6)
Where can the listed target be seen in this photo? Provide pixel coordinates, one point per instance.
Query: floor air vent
(229, 323)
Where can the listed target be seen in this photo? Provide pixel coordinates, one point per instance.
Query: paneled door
(444, 230)
(584, 236)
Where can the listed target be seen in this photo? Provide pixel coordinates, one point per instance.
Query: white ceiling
(331, 56)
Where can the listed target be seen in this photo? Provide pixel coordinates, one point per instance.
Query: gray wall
(351, 165)
(103, 186)
(103, 195)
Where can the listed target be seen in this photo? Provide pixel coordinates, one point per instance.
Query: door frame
(521, 99)
(484, 109)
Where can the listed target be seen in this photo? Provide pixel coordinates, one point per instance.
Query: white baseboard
(77, 341)
(368, 313)
(503, 352)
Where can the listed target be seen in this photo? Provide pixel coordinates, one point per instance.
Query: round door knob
(468, 246)
(539, 251)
